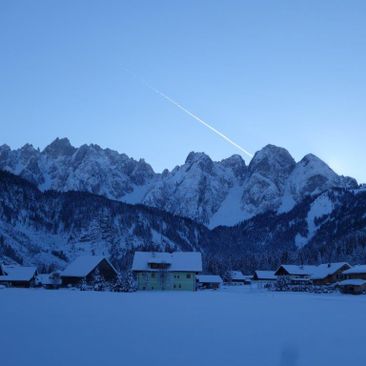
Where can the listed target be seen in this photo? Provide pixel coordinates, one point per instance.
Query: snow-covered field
(234, 326)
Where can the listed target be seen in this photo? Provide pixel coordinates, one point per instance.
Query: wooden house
(167, 271)
(329, 273)
(356, 272)
(212, 282)
(322, 274)
(353, 286)
(17, 276)
(86, 268)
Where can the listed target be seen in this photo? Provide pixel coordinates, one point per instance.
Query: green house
(167, 271)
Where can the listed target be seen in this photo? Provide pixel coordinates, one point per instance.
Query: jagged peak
(27, 148)
(233, 159)
(194, 157)
(5, 147)
(60, 146)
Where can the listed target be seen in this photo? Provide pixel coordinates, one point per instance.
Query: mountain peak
(59, 147)
(196, 157)
(272, 157)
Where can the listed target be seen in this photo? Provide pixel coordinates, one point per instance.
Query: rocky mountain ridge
(213, 193)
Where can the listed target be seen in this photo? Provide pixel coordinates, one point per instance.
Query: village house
(86, 268)
(329, 273)
(212, 282)
(322, 274)
(264, 276)
(354, 286)
(17, 276)
(356, 272)
(167, 271)
(237, 278)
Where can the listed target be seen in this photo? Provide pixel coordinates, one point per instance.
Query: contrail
(198, 119)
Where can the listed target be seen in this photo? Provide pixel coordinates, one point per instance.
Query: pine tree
(119, 284)
(99, 283)
(83, 285)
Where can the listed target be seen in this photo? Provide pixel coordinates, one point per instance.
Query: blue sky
(291, 73)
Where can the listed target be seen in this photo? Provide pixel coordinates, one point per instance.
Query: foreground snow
(233, 326)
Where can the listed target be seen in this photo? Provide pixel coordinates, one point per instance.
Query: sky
(290, 73)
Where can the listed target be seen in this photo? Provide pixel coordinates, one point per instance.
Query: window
(180, 286)
(188, 275)
(175, 286)
(152, 275)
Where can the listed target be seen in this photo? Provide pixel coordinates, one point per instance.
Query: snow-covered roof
(48, 279)
(353, 282)
(209, 279)
(83, 265)
(315, 272)
(323, 270)
(356, 269)
(18, 273)
(237, 276)
(176, 262)
(297, 270)
(266, 275)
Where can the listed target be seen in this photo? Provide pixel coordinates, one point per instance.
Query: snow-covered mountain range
(212, 193)
(48, 229)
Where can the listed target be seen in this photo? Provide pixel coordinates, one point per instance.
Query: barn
(85, 268)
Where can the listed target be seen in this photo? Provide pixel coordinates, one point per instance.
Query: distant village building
(167, 271)
(212, 282)
(321, 274)
(237, 278)
(49, 281)
(86, 268)
(353, 286)
(264, 276)
(17, 276)
(356, 272)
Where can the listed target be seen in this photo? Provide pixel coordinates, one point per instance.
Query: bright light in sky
(288, 73)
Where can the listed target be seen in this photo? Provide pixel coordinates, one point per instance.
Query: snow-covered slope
(51, 228)
(213, 193)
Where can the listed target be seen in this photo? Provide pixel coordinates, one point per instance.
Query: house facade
(176, 271)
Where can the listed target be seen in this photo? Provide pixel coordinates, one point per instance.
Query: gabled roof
(265, 275)
(356, 269)
(297, 270)
(209, 279)
(315, 272)
(353, 282)
(237, 276)
(177, 261)
(18, 273)
(83, 265)
(323, 270)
